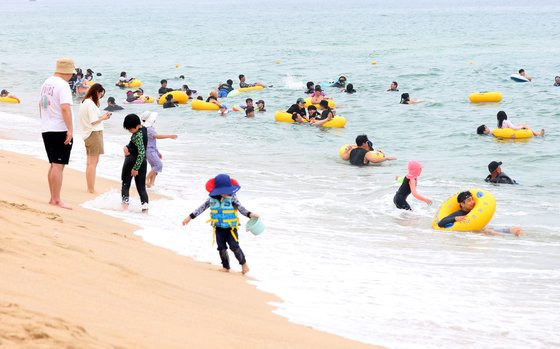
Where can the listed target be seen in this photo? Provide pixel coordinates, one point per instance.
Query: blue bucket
(255, 226)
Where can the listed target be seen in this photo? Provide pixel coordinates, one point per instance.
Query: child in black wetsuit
(408, 187)
(135, 164)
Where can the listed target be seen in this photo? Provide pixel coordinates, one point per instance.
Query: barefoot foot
(224, 270)
(60, 204)
(244, 269)
(124, 206)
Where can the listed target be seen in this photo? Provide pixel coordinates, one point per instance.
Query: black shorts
(57, 151)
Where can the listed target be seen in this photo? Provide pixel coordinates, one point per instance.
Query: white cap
(148, 118)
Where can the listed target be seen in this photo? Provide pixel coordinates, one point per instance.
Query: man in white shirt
(55, 109)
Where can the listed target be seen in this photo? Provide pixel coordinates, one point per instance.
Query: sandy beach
(81, 279)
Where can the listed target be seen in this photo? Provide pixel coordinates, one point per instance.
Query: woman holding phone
(91, 123)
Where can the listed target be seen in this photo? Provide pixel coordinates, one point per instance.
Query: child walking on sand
(135, 161)
(223, 206)
(152, 153)
(408, 187)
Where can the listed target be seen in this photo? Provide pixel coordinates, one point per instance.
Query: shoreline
(82, 278)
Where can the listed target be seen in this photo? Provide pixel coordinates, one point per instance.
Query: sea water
(336, 251)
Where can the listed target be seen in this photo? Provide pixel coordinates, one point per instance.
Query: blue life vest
(223, 214)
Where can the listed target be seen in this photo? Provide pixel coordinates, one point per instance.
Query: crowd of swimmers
(57, 133)
(142, 148)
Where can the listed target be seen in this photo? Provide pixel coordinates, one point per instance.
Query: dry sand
(81, 279)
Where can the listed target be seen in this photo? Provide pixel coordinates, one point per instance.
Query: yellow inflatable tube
(332, 104)
(197, 104)
(252, 88)
(133, 83)
(178, 97)
(9, 100)
(148, 99)
(509, 133)
(375, 153)
(485, 97)
(478, 218)
(336, 122)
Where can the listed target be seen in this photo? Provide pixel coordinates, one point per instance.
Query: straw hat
(65, 66)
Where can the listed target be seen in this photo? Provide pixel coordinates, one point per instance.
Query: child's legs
(126, 179)
(401, 203)
(156, 165)
(140, 181)
(221, 238)
(151, 178)
(232, 240)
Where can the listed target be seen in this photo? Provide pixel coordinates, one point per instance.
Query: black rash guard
(501, 178)
(445, 221)
(357, 156)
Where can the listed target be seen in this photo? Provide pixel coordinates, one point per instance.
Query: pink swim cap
(414, 169)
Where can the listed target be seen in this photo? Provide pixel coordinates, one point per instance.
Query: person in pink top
(503, 122)
(408, 187)
(318, 95)
(55, 109)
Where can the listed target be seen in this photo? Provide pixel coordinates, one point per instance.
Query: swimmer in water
(111, 105)
(405, 99)
(327, 114)
(360, 155)
(503, 122)
(318, 95)
(408, 187)
(523, 74)
(169, 103)
(164, 89)
(394, 86)
(341, 82)
(243, 84)
(483, 130)
(248, 104)
(496, 175)
(310, 87)
(349, 89)
(213, 98)
(6, 93)
(225, 89)
(89, 75)
(186, 89)
(312, 113)
(130, 96)
(297, 111)
(260, 106)
(123, 80)
(250, 112)
(556, 81)
(467, 203)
